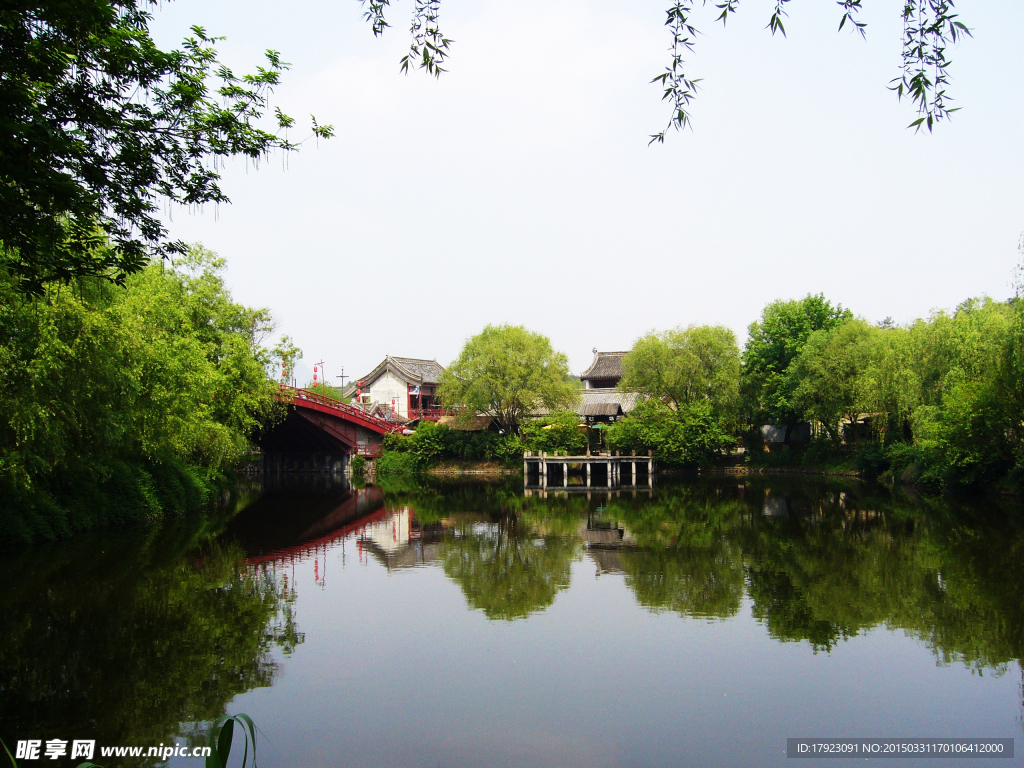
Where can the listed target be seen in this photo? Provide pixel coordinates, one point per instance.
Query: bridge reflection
(295, 520)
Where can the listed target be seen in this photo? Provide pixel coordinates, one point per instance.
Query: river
(432, 623)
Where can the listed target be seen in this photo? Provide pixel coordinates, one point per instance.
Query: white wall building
(404, 386)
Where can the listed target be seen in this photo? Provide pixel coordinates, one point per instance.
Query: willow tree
(830, 375)
(685, 366)
(508, 372)
(929, 26)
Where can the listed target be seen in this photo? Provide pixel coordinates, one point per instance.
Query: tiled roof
(600, 402)
(427, 371)
(606, 365)
(605, 402)
(412, 369)
(599, 409)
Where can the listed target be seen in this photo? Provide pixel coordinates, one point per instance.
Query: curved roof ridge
(606, 365)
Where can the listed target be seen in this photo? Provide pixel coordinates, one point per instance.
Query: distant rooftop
(606, 365)
(413, 370)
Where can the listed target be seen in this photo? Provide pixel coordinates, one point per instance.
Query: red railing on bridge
(293, 394)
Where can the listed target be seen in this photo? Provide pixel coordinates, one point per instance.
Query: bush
(557, 432)
(397, 463)
(1016, 476)
(691, 436)
(358, 465)
(432, 443)
(873, 460)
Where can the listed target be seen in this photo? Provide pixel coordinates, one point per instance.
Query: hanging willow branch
(929, 26)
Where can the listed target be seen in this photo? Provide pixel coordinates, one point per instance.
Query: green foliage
(689, 436)
(557, 432)
(506, 372)
(774, 342)
(685, 366)
(928, 27)
(944, 395)
(432, 443)
(358, 465)
(397, 463)
(168, 627)
(126, 404)
(283, 357)
(222, 736)
(104, 129)
(827, 379)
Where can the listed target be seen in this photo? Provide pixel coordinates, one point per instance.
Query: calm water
(467, 624)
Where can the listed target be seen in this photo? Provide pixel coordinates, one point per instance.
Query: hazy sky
(519, 188)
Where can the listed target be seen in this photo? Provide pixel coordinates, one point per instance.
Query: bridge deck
(305, 398)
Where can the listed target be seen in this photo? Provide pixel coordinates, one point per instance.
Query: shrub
(689, 436)
(432, 443)
(396, 463)
(557, 432)
(873, 460)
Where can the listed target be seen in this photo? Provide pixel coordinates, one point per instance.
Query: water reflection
(506, 568)
(124, 637)
(138, 637)
(820, 562)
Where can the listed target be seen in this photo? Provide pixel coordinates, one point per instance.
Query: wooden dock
(598, 470)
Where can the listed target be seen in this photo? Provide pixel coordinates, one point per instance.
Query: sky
(519, 187)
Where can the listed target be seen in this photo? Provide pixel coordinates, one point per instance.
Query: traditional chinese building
(405, 387)
(600, 401)
(604, 372)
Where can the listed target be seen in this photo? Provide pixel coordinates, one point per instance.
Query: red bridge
(320, 433)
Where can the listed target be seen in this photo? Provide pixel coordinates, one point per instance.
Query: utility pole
(321, 364)
(343, 377)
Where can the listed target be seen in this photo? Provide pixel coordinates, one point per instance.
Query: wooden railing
(426, 413)
(370, 450)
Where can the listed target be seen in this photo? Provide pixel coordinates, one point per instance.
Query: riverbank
(745, 469)
(455, 468)
(496, 469)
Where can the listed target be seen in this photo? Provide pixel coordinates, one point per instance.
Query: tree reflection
(820, 561)
(122, 637)
(504, 569)
(683, 559)
(704, 583)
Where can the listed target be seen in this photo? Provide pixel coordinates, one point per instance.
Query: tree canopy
(774, 342)
(686, 365)
(126, 404)
(929, 26)
(829, 375)
(507, 372)
(100, 129)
